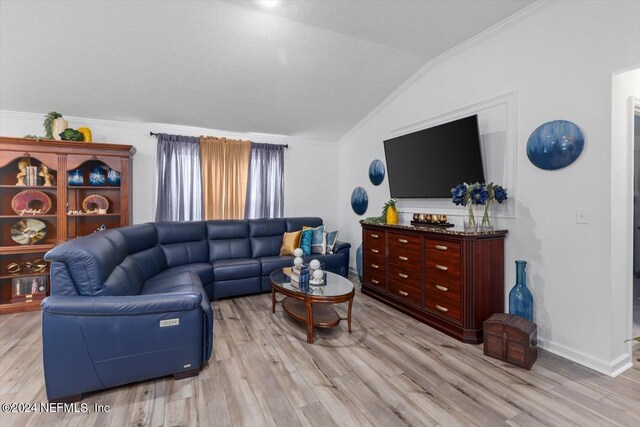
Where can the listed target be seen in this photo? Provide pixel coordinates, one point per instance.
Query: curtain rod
(155, 134)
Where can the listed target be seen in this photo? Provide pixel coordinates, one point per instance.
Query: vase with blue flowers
(520, 297)
(470, 195)
(497, 193)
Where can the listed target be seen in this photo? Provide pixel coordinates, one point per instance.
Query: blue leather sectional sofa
(133, 303)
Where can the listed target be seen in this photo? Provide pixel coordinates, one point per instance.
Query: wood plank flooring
(392, 371)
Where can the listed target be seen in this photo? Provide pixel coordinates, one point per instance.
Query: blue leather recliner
(132, 303)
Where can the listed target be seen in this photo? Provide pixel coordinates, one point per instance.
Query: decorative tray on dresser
(450, 279)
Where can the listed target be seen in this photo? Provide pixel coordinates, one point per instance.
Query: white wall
(311, 178)
(559, 60)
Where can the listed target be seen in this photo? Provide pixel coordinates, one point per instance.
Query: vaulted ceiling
(310, 69)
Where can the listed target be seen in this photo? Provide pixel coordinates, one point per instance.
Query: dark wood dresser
(449, 279)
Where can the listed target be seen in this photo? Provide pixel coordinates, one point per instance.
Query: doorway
(636, 225)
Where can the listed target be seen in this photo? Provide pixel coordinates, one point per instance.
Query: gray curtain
(179, 178)
(265, 191)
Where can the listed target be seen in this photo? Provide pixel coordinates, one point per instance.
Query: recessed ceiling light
(269, 4)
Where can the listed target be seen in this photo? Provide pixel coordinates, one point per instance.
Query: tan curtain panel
(225, 170)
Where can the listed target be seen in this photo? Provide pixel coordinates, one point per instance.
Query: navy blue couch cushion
(266, 236)
(203, 270)
(230, 269)
(90, 261)
(228, 239)
(183, 242)
(271, 263)
(295, 224)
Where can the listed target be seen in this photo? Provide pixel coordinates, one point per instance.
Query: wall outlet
(581, 216)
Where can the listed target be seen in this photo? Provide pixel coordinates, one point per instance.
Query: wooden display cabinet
(60, 157)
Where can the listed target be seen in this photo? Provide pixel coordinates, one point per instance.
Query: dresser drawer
(374, 265)
(438, 269)
(443, 289)
(374, 239)
(407, 274)
(399, 243)
(445, 306)
(405, 258)
(375, 279)
(446, 248)
(409, 294)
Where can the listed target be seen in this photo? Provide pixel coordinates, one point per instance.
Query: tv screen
(430, 162)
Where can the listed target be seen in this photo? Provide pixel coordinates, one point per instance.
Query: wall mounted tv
(429, 162)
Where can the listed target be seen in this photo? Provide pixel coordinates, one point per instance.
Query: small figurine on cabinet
(22, 167)
(48, 178)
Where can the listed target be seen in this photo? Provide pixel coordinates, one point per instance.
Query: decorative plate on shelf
(28, 231)
(31, 200)
(555, 145)
(94, 202)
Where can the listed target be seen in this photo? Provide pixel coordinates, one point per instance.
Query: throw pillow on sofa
(290, 241)
(305, 241)
(318, 241)
(332, 238)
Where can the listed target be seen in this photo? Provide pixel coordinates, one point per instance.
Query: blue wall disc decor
(376, 172)
(555, 145)
(359, 200)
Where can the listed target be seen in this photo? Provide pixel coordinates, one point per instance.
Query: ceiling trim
(473, 41)
(146, 127)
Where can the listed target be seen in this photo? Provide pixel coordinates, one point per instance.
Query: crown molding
(145, 127)
(473, 41)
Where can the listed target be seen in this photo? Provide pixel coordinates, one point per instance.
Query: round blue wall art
(555, 145)
(359, 200)
(376, 172)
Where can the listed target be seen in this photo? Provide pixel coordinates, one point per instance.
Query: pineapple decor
(390, 211)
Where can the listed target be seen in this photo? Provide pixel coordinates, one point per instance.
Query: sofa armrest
(121, 305)
(341, 246)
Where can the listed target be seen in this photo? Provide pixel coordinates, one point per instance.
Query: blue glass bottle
(520, 298)
(359, 262)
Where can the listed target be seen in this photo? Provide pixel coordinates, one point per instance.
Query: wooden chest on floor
(511, 338)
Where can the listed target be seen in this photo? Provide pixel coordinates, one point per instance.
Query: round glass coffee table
(311, 305)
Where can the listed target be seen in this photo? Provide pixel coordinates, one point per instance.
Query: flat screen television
(430, 162)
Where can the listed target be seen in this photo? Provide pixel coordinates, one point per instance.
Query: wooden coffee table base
(314, 315)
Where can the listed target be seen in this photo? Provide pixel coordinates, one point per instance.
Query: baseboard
(612, 369)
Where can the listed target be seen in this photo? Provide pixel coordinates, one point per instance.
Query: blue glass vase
(359, 262)
(74, 177)
(97, 176)
(520, 297)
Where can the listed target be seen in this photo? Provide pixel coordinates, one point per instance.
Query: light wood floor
(391, 371)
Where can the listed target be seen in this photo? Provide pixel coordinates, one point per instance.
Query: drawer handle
(441, 308)
(441, 267)
(441, 248)
(403, 293)
(403, 241)
(441, 288)
(404, 276)
(374, 266)
(374, 281)
(375, 236)
(375, 251)
(403, 258)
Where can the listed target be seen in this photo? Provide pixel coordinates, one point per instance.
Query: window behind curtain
(265, 192)
(179, 195)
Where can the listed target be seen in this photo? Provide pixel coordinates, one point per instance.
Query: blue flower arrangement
(478, 194)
